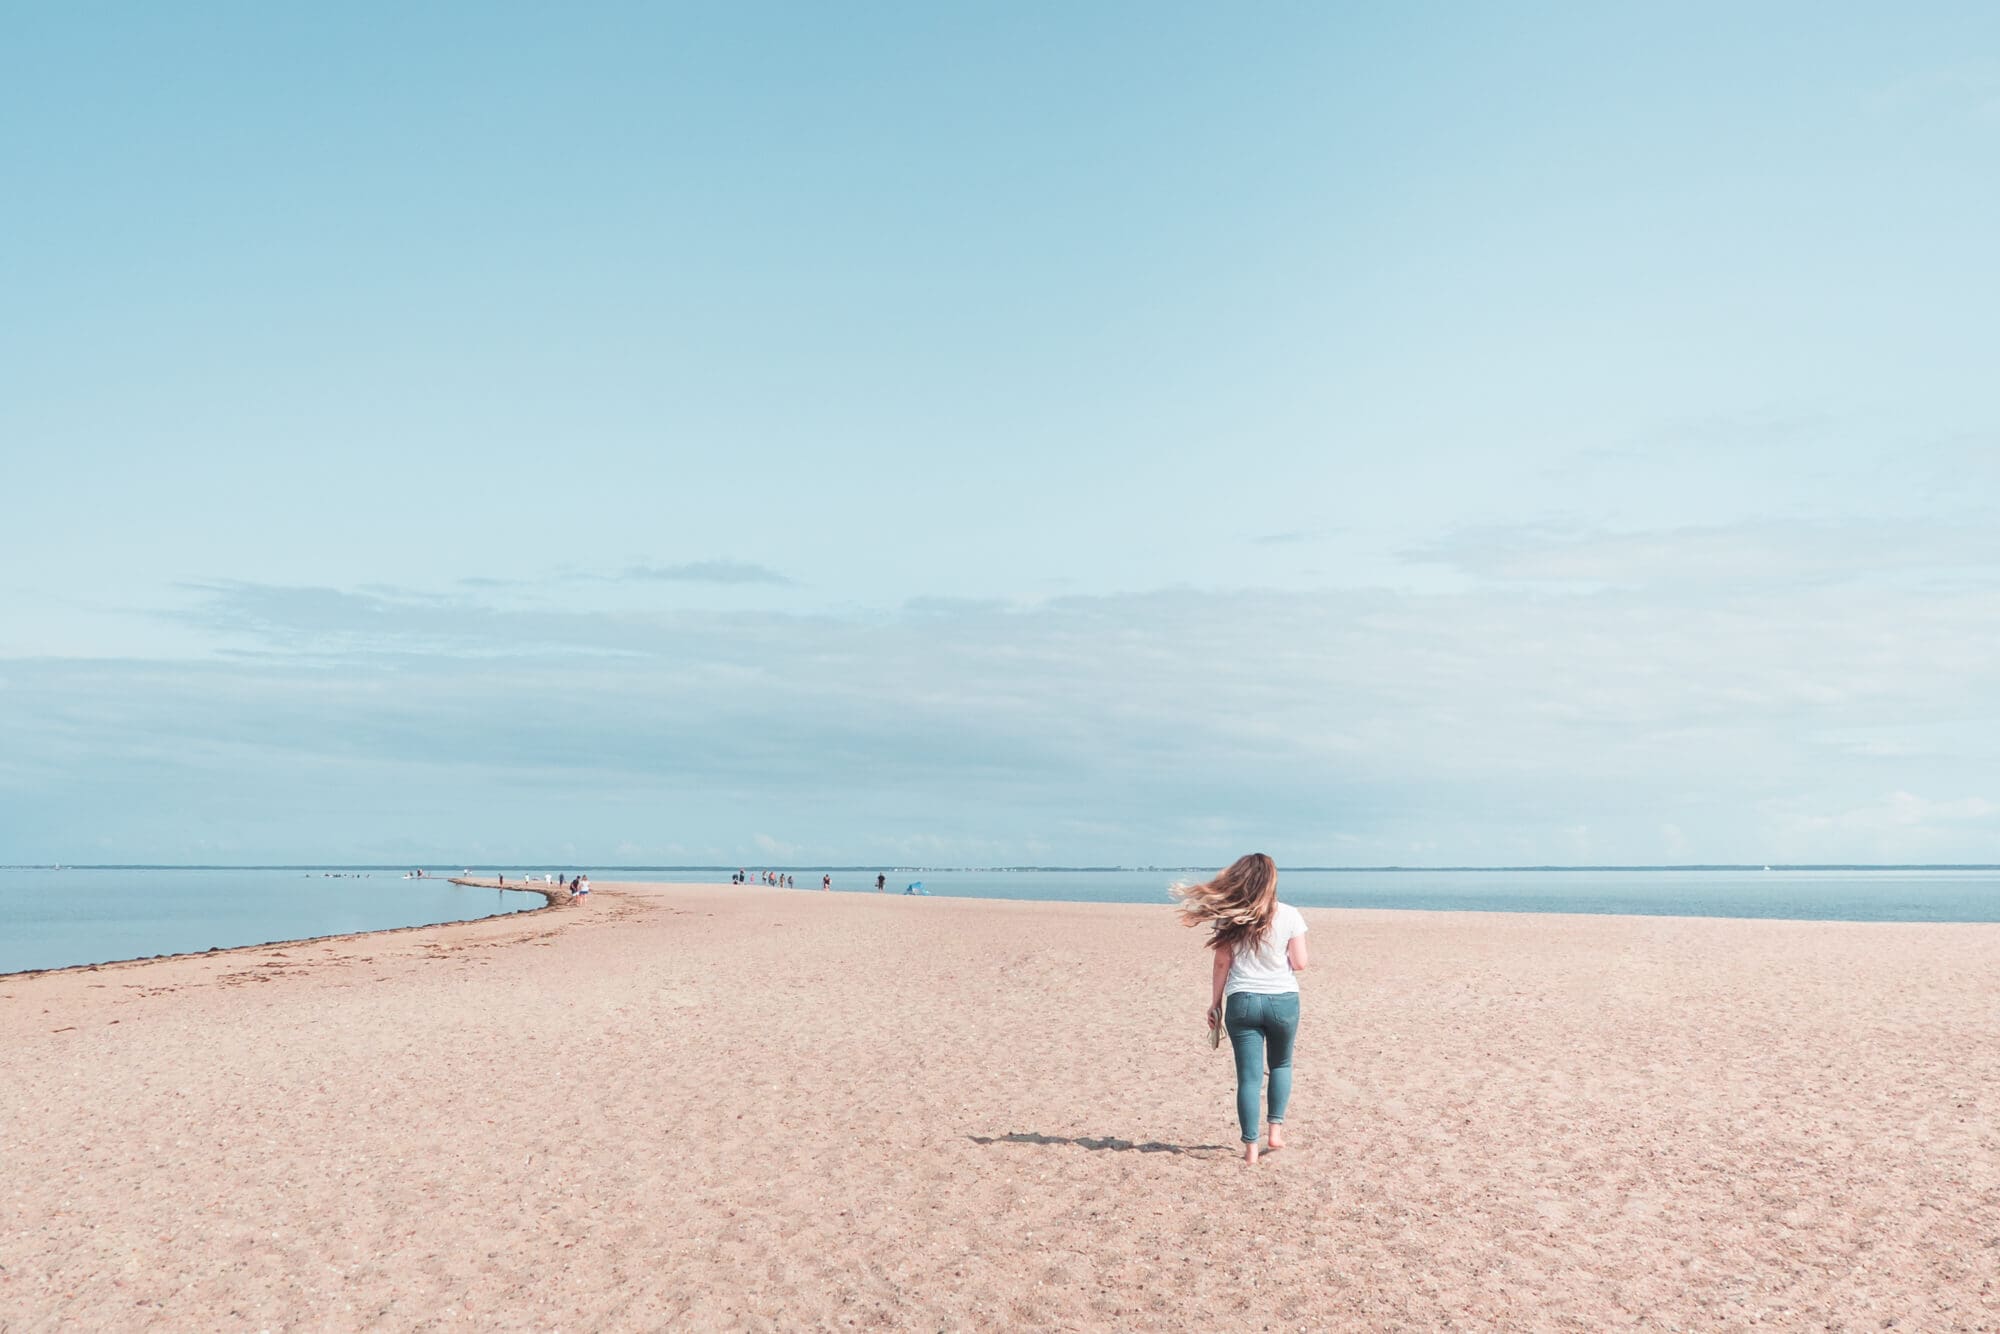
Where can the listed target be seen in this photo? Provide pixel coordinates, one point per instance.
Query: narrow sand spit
(741, 1107)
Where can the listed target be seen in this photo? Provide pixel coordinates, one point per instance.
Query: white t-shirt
(1261, 968)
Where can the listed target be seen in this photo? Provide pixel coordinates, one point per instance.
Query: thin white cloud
(1969, 90)
(1292, 537)
(1896, 826)
(1352, 726)
(735, 572)
(1742, 554)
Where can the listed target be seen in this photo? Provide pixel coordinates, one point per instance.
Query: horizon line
(1016, 869)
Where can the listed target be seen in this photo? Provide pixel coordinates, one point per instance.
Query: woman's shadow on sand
(1085, 1142)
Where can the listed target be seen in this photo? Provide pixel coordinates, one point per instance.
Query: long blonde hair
(1236, 905)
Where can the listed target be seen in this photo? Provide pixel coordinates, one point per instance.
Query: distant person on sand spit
(826, 882)
(1259, 945)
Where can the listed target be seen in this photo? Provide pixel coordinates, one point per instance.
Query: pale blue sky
(1000, 433)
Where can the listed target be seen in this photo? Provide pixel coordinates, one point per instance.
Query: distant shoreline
(1744, 893)
(601, 867)
(549, 902)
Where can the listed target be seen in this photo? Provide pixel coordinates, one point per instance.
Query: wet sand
(743, 1107)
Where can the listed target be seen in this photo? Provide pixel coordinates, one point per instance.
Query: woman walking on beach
(1259, 945)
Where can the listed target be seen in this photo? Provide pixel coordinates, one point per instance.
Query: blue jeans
(1261, 1027)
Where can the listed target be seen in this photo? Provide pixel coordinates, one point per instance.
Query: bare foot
(1277, 1140)
(1250, 1152)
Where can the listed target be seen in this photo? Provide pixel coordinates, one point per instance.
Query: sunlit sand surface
(741, 1107)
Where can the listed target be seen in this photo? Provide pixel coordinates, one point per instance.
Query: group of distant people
(779, 880)
(578, 885)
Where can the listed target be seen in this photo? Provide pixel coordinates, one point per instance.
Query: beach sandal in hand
(1215, 1027)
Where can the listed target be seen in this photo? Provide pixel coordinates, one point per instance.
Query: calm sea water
(1848, 896)
(53, 919)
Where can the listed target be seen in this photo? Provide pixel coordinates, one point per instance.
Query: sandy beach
(750, 1108)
